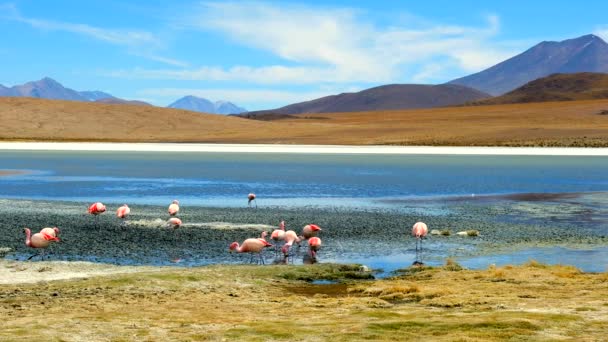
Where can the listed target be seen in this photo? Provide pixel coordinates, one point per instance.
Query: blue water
(286, 179)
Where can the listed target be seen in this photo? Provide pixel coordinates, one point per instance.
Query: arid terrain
(572, 123)
(261, 303)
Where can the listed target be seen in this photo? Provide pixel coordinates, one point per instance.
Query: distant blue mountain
(48, 88)
(95, 95)
(199, 104)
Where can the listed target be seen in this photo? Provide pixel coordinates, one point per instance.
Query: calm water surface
(283, 179)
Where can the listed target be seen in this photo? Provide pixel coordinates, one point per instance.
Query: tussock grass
(261, 303)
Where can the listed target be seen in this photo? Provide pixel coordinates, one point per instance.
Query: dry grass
(265, 303)
(575, 123)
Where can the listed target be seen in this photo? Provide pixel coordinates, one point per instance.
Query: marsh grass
(261, 303)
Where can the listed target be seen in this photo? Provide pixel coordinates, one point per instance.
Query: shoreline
(301, 149)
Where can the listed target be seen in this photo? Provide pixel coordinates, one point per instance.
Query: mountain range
(588, 53)
(199, 104)
(387, 97)
(48, 88)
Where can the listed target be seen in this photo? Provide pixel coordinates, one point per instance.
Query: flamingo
(290, 238)
(54, 232)
(97, 208)
(314, 244)
(174, 223)
(251, 197)
(419, 231)
(254, 245)
(174, 208)
(123, 212)
(310, 230)
(278, 235)
(39, 240)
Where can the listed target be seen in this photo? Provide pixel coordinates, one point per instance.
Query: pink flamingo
(54, 232)
(174, 208)
(310, 230)
(174, 223)
(314, 244)
(96, 209)
(251, 197)
(123, 212)
(278, 235)
(254, 245)
(419, 231)
(39, 240)
(290, 238)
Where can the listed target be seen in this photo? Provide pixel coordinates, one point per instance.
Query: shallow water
(488, 189)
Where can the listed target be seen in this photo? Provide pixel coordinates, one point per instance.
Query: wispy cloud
(602, 32)
(138, 42)
(335, 45)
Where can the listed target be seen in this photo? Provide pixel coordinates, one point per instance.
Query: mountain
(95, 95)
(387, 97)
(46, 88)
(114, 100)
(556, 87)
(199, 104)
(588, 53)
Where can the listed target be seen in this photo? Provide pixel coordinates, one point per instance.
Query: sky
(266, 54)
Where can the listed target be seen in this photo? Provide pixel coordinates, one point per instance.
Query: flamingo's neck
(28, 235)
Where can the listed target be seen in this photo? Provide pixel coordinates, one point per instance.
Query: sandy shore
(17, 272)
(317, 149)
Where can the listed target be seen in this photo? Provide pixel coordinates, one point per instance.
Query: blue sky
(266, 54)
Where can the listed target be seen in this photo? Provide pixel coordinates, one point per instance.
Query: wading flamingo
(290, 238)
(254, 245)
(314, 244)
(122, 213)
(174, 223)
(277, 236)
(38, 240)
(174, 208)
(310, 230)
(419, 231)
(251, 198)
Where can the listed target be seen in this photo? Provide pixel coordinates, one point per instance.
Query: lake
(575, 188)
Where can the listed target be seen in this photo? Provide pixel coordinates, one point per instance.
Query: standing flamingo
(419, 231)
(278, 235)
(174, 223)
(96, 209)
(314, 244)
(38, 240)
(251, 197)
(174, 208)
(122, 213)
(254, 245)
(290, 238)
(310, 230)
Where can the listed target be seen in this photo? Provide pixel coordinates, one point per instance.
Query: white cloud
(602, 32)
(334, 45)
(139, 43)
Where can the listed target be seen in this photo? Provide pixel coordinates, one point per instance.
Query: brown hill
(557, 87)
(573, 123)
(387, 97)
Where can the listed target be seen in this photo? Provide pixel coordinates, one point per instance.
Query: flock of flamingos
(254, 246)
